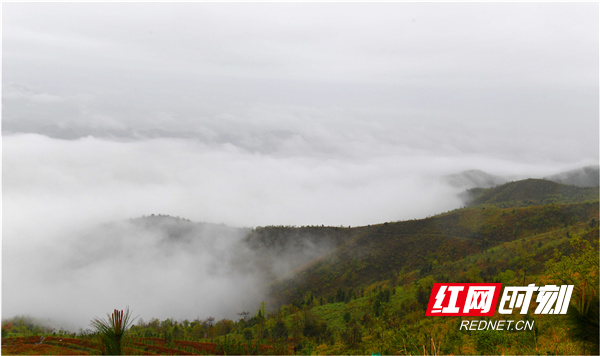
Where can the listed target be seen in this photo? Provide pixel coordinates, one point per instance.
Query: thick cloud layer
(261, 114)
(514, 80)
(60, 196)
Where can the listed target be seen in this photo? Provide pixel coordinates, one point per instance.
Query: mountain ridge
(338, 257)
(587, 176)
(530, 192)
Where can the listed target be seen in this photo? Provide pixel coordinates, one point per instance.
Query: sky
(253, 114)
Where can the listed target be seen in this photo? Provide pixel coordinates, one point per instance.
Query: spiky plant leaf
(112, 330)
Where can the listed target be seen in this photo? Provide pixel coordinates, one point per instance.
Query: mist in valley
(145, 146)
(84, 234)
(160, 266)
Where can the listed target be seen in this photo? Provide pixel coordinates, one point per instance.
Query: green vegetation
(531, 192)
(369, 294)
(112, 330)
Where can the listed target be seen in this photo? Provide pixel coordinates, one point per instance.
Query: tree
(581, 270)
(473, 275)
(177, 332)
(352, 336)
(314, 327)
(262, 311)
(279, 330)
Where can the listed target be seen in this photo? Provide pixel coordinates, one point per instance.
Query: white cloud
(265, 113)
(493, 79)
(56, 191)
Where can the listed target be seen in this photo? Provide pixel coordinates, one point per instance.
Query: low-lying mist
(160, 266)
(75, 245)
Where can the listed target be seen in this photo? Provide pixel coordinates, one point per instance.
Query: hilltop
(583, 177)
(530, 192)
(387, 251)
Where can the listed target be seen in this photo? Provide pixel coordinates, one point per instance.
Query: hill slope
(530, 192)
(364, 290)
(382, 252)
(506, 213)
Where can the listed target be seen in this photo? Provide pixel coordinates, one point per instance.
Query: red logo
(463, 299)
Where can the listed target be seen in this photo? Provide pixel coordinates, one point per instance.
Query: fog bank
(253, 114)
(70, 253)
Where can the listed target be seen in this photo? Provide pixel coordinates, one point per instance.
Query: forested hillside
(530, 192)
(364, 290)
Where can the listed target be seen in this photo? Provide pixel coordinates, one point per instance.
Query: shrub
(112, 330)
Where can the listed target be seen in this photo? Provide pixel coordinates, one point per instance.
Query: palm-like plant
(112, 330)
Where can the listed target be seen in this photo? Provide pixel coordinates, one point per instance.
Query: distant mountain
(473, 179)
(172, 228)
(582, 177)
(530, 192)
(270, 252)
